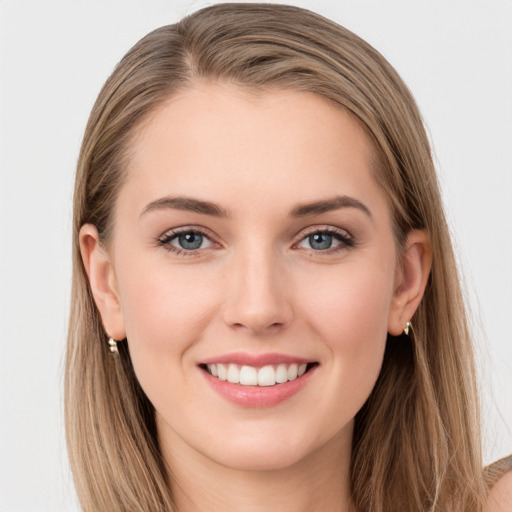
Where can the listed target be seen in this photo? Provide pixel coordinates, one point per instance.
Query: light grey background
(455, 55)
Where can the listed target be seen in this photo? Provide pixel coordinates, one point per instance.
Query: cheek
(348, 311)
(165, 306)
(349, 303)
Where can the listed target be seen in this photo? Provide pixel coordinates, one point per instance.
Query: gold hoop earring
(112, 345)
(407, 329)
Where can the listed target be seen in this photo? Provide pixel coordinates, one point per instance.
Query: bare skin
(294, 255)
(500, 498)
(304, 486)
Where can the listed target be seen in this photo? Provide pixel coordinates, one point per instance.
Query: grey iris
(190, 241)
(320, 241)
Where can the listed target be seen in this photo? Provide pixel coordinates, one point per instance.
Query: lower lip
(258, 396)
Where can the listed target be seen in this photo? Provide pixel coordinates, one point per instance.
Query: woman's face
(251, 239)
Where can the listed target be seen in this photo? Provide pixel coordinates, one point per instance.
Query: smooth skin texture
(258, 283)
(500, 499)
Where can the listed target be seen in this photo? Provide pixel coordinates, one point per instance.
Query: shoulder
(500, 482)
(500, 496)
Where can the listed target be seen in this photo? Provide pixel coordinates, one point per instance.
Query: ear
(102, 281)
(411, 279)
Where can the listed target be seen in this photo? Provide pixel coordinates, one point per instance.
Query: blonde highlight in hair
(416, 440)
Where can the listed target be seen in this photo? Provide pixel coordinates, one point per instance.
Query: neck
(316, 483)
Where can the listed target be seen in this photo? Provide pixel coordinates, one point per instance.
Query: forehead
(222, 140)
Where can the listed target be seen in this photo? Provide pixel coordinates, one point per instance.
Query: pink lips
(257, 396)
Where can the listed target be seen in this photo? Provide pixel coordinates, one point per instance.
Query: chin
(260, 459)
(271, 452)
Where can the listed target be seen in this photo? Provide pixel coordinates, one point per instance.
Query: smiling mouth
(265, 376)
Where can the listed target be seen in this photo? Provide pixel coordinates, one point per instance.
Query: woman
(266, 310)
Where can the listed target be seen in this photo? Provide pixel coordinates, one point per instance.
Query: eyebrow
(208, 208)
(188, 204)
(327, 205)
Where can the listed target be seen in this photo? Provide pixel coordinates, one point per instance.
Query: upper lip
(257, 360)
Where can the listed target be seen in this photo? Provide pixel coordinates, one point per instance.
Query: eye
(327, 240)
(185, 241)
(190, 241)
(320, 241)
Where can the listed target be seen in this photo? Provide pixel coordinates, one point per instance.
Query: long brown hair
(416, 441)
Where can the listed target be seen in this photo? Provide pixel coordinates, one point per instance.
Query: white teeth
(233, 374)
(292, 371)
(250, 376)
(266, 376)
(281, 374)
(222, 372)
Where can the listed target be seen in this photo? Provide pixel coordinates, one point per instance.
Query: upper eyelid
(313, 229)
(323, 229)
(202, 229)
(187, 229)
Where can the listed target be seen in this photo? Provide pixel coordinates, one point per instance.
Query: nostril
(258, 326)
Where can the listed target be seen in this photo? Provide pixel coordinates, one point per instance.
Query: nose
(257, 294)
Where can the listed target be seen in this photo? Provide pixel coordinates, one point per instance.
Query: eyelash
(346, 240)
(166, 239)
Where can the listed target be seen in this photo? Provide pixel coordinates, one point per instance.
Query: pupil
(320, 241)
(190, 240)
